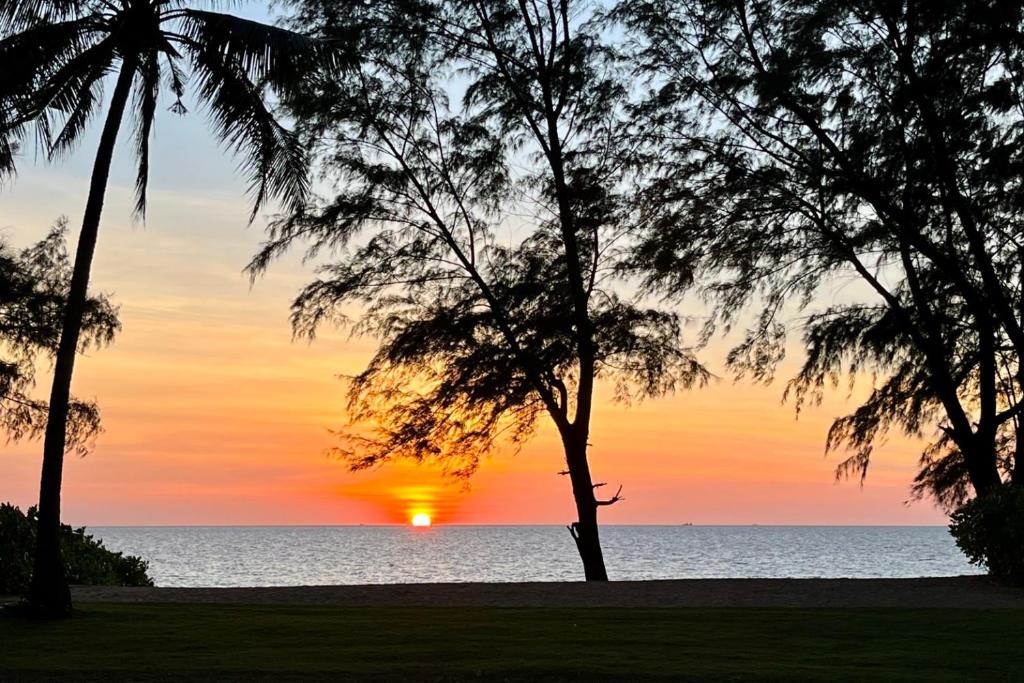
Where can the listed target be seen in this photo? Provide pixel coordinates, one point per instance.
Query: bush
(990, 531)
(17, 541)
(86, 561)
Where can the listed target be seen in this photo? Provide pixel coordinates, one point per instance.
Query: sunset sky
(213, 415)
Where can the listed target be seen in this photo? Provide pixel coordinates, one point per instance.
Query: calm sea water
(293, 556)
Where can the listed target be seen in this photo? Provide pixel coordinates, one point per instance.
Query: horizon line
(501, 525)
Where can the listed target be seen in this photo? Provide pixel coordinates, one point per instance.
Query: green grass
(171, 642)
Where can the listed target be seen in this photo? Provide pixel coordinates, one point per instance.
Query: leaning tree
(474, 179)
(802, 143)
(57, 55)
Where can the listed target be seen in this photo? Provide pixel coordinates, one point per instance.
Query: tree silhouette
(8, 150)
(33, 289)
(57, 54)
(812, 142)
(479, 241)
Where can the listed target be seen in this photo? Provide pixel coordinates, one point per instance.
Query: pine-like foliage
(33, 288)
(473, 214)
(798, 146)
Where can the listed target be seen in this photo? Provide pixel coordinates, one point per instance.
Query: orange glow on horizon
(213, 416)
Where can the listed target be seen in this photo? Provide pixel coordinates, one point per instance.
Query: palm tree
(56, 56)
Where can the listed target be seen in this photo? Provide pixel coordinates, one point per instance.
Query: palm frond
(8, 151)
(30, 55)
(176, 83)
(45, 67)
(147, 93)
(60, 51)
(267, 54)
(17, 15)
(82, 90)
(272, 156)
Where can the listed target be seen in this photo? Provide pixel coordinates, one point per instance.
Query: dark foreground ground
(174, 641)
(958, 591)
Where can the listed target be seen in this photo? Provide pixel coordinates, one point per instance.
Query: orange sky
(214, 416)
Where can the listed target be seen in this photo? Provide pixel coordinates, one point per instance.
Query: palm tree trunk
(49, 593)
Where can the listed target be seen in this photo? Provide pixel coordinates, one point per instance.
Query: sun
(421, 519)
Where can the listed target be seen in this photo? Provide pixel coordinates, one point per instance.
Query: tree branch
(610, 501)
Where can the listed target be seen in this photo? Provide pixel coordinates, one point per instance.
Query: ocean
(321, 555)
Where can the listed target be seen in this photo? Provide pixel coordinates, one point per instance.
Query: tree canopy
(474, 215)
(33, 289)
(808, 143)
(447, 225)
(58, 54)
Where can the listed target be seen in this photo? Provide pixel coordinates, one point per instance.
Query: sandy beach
(951, 592)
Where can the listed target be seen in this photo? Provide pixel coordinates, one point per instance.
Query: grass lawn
(216, 642)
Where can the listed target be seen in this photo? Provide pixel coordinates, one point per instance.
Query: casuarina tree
(805, 144)
(57, 57)
(473, 214)
(33, 290)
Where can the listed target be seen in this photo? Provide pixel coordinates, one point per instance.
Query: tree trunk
(982, 458)
(1017, 477)
(588, 542)
(584, 531)
(1017, 474)
(982, 469)
(49, 593)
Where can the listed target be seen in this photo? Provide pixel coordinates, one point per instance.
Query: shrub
(17, 541)
(86, 561)
(990, 531)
